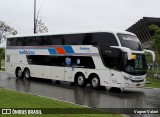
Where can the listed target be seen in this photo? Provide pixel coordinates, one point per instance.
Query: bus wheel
(80, 80)
(19, 73)
(95, 82)
(26, 73)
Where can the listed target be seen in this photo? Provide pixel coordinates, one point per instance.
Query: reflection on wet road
(130, 98)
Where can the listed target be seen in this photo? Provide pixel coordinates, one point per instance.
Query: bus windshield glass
(136, 65)
(130, 41)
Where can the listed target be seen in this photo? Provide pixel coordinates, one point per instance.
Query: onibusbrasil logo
(21, 111)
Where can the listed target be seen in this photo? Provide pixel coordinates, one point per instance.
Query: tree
(156, 40)
(2, 55)
(40, 27)
(5, 30)
(155, 37)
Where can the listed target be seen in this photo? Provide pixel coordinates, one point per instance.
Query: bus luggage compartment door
(68, 73)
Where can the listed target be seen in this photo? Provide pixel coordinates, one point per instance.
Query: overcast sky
(77, 15)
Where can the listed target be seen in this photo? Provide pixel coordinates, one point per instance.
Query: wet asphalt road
(103, 98)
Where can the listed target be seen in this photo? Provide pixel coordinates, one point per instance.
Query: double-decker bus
(101, 58)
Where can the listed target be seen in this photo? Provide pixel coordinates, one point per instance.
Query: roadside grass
(13, 99)
(155, 82)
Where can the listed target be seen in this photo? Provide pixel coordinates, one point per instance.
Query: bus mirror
(152, 53)
(124, 49)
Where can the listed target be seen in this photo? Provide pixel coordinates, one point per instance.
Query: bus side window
(73, 39)
(107, 39)
(46, 40)
(9, 42)
(87, 39)
(20, 42)
(56, 40)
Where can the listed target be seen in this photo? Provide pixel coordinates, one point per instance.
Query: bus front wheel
(80, 80)
(95, 82)
(26, 73)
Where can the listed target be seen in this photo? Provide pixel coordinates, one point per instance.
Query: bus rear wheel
(95, 82)
(26, 73)
(19, 73)
(80, 80)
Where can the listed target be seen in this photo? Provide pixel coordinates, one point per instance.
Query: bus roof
(78, 32)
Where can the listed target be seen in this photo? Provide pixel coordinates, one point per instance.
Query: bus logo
(84, 48)
(26, 52)
(68, 61)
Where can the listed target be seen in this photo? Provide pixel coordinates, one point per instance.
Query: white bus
(101, 58)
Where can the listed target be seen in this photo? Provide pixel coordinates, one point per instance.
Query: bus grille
(137, 80)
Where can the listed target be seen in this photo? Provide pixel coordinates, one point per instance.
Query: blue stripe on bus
(68, 49)
(52, 51)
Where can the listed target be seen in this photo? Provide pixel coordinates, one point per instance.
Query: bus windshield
(130, 41)
(136, 65)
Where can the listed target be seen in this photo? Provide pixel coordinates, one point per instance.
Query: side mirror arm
(124, 49)
(152, 53)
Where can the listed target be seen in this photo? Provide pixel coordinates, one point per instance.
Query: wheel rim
(19, 73)
(27, 74)
(95, 82)
(80, 80)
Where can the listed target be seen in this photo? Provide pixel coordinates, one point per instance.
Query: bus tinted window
(87, 39)
(107, 39)
(56, 40)
(130, 41)
(45, 40)
(11, 41)
(83, 61)
(76, 61)
(73, 39)
(20, 42)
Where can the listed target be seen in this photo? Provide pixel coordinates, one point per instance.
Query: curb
(151, 88)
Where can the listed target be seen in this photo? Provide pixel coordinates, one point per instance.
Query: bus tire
(95, 82)
(26, 73)
(19, 73)
(80, 80)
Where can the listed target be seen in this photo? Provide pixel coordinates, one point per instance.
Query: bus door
(115, 78)
(57, 67)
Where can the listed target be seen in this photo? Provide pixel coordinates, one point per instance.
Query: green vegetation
(2, 69)
(2, 65)
(155, 82)
(155, 44)
(2, 56)
(12, 99)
